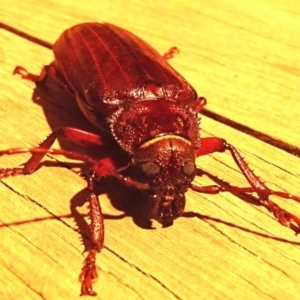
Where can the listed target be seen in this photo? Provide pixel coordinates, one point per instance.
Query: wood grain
(245, 60)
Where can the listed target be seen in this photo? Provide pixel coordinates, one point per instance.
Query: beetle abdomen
(108, 67)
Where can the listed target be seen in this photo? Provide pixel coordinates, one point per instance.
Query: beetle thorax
(154, 120)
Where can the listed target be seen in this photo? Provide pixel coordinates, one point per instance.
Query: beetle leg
(171, 53)
(46, 70)
(283, 217)
(258, 186)
(73, 134)
(201, 102)
(89, 271)
(211, 145)
(29, 76)
(103, 168)
(216, 189)
(50, 71)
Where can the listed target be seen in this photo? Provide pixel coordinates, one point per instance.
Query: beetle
(146, 113)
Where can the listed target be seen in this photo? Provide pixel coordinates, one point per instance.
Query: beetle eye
(151, 168)
(189, 168)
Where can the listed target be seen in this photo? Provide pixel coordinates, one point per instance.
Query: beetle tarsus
(284, 217)
(88, 274)
(29, 76)
(11, 172)
(171, 53)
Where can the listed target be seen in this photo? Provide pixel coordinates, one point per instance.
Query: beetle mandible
(147, 112)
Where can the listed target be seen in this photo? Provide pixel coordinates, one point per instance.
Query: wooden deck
(244, 58)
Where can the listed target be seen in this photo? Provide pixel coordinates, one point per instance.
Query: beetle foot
(88, 274)
(11, 172)
(29, 76)
(284, 217)
(289, 220)
(171, 53)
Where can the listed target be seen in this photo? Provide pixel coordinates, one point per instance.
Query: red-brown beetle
(148, 114)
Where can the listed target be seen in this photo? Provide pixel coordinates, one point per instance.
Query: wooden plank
(221, 248)
(243, 58)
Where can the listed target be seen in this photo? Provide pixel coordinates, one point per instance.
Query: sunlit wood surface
(244, 58)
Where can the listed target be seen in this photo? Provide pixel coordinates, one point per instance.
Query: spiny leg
(103, 168)
(213, 144)
(210, 145)
(282, 216)
(73, 134)
(99, 169)
(89, 271)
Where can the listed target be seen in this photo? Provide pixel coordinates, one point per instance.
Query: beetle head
(167, 164)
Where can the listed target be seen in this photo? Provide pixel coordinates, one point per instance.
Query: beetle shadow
(61, 109)
(131, 204)
(127, 201)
